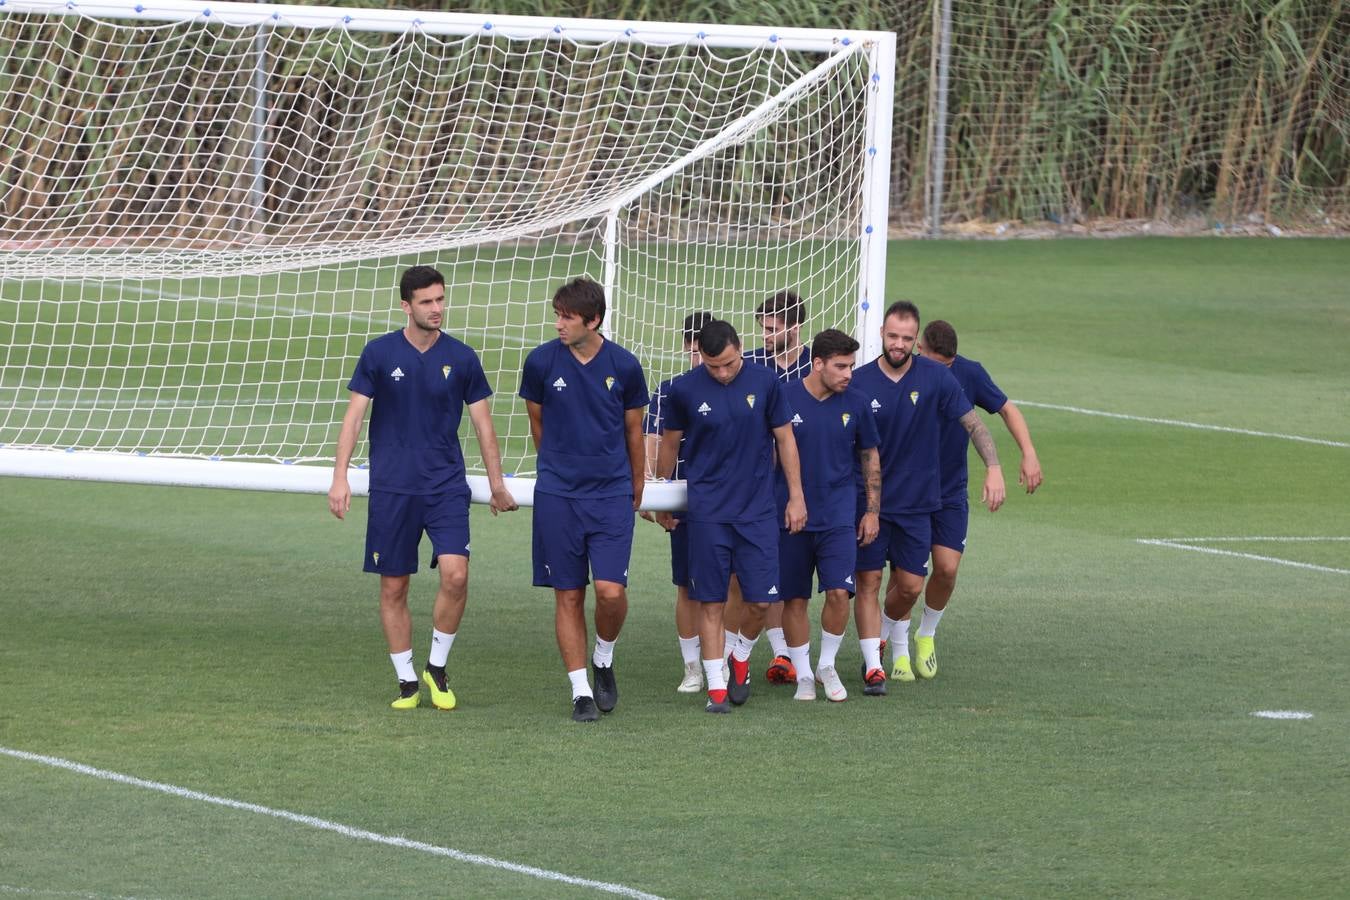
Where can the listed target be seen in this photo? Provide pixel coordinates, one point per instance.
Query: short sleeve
(952, 401)
(476, 385)
(363, 379)
(778, 410)
(635, 386)
(867, 435)
(987, 395)
(672, 409)
(532, 377)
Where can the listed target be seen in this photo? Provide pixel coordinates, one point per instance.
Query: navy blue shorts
(950, 524)
(832, 555)
(574, 537)
(679, 554)
(394, 526)
(749, 551)
(905, 541)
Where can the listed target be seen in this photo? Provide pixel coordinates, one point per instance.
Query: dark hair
(693, 323)
(416, 278)
(832, 342)
(714, 337)
(940, 337)
(785, 305)
(581, 297)
(904, 309)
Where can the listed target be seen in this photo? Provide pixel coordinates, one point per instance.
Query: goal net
(204, 210)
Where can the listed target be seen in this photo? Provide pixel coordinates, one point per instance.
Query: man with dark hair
(834, 431)
(420, 379)
(585, 396)
(780, 316)
(734, 416)
(949, 523)
(911, 399)
(686, 610)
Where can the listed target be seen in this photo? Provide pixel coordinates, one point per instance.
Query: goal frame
(880, 48)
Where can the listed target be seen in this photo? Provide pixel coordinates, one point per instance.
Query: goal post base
(134, 468)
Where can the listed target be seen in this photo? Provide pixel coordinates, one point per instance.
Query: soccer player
(783, 353)
(911, 399)
(585, 397)
(419, 378)
(950, 522)
(734, 416)
(686, 610)
(834, 430)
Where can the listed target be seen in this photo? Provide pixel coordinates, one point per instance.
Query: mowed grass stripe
(359, 834)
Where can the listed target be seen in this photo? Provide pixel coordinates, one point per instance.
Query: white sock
(778, 642)
(712, 670)
(690, 649)
(403, 665)
(580, 686)
(900, 639)
(829, 648)
(871, 650)
(743, 648)
(729, 642)
(604, 652)
(929, 622)
(440, 648)
(801, 661)
(887, 626)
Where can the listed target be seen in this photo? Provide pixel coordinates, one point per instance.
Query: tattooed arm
(994, 492)
(870, 522)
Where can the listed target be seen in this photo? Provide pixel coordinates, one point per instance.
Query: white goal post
(205, 207)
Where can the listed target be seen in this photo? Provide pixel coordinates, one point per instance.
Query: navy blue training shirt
(909, 416)
(981, 391)
(829, 434)
(728, 441)
(799, 369)
(419, 399)
(584, 452)
(655, 423)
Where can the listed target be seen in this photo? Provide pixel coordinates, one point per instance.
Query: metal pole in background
(938, 161)
(260, 114)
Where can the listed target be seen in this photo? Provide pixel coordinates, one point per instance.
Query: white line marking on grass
(336, 827)
(1282, 714)
(42, 892)
(1190, 544)
(1180, 424)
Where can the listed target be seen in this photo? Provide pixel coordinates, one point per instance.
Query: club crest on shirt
(609, 382)
(845, 417)
(445, 371)
(913, 398)
(750, 399)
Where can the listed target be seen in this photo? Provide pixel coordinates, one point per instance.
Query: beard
(898, 359)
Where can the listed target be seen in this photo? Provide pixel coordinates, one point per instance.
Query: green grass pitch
(1090, 732)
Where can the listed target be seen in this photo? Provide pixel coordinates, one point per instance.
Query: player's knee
(609, 592)
(944, 571)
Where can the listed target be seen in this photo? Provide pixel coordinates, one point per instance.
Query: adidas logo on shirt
(773, 591)
(396, 374)
(796, 419)
(704, 409)
(875, 404)
(559, 384)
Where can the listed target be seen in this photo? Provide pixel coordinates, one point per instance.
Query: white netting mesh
(201, 224)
